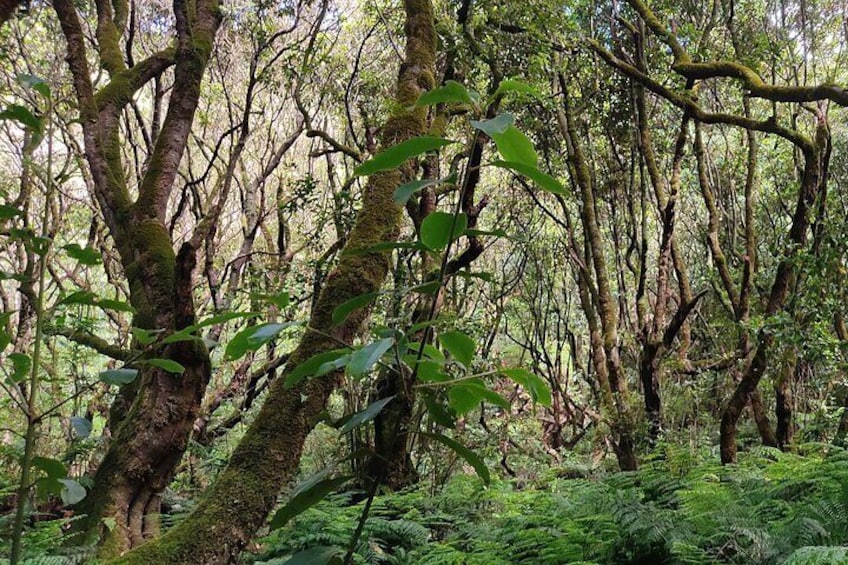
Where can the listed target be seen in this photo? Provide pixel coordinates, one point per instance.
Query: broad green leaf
(533, 384)
(168, 365)
(543, 180)
(345, 309)
(496, 125)
(512, 85)
(309, 367)
(81, 426)
(463, 399)
(451, 91)
(438, 411)
(21, 365)
(22, 115)
(303, 499)
(332, 366)
(8, 212)
(431, 372)
(116, 305)
(143, 336)
(395, 156)
(252, 338)
(459, 345)
(364, 416)
(405, 191)
(318, 555)
(72, 492)
(436, 230)
(363, 359)
(472, 458)
(84, 255)
(515, 147)
(53, 468)
(118, 376)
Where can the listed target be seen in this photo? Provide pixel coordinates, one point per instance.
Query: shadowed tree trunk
(153, 416)
(269, 454)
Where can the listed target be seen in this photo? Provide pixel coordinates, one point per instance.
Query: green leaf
(21, 365)
(516, 147)
(543, 180)
(395, 156)
(533, 384)
(84, 255)
(362, 360)
(318, 555)
(168, 365)
(436, 230)
(22, 115)
(459, 345)
(345, 309)
(364, 416)
(252, 338)
(53, 468)
(8, 212)
(81, 426)
(143, 336)
(451, 91)
(512, 85)
(438, 412)
(463, 399)
(495, 126)
(72, 492)
(303, 499)
(405, 191)
(118, 376)
(470, 457)
(309, 367)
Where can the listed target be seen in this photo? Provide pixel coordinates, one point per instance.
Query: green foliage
(773, 508)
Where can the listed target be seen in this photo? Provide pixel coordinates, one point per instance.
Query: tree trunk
(812, 182)
(268, 456)
(159, 407)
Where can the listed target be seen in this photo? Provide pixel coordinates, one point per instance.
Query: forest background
(256, 253)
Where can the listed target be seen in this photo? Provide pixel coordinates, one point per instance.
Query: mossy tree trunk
(153, 417)
(268, 456)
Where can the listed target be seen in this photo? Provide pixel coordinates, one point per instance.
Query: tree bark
(269, 454)
(152, 418)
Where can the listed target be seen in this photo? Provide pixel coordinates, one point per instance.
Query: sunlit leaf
(451, 91)
(459, 345)
(439, 228)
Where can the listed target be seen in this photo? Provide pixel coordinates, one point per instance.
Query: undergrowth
(772, 508)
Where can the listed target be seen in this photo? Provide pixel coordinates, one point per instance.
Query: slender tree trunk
(269, 454)
(812, 181)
